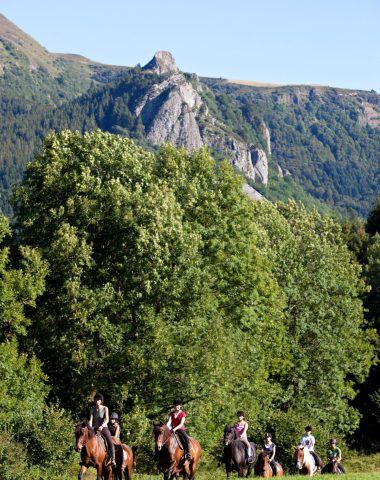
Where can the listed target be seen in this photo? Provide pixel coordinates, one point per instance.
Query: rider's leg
(249, 449)
(111, 447)
(274, 467)
(185, 443)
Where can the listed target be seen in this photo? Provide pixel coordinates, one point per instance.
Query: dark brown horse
(170, 454)
(94, 454)
(305, 462)
(263, 468)
(333, 467)
(235, 454)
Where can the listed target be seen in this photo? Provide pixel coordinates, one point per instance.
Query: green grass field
(359, 467)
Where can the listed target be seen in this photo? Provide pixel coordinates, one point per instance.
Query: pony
(235, 455)
(263, 468)
(170, 454)
(305, 462)
(333, 467)
(94, 454)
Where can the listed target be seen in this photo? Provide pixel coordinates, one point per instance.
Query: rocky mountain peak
(162, 62)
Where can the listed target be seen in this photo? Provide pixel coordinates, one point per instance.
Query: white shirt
(308, 441)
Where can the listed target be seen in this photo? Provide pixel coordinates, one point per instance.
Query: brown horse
(94, 454)
(263, 468)
(304, 461)
(170, 454)
(333, 467)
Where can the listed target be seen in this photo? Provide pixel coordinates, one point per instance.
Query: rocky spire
(162, 62)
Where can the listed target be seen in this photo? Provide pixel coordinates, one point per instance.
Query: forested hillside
(316, 144)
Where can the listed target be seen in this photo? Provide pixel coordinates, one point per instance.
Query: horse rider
(308, 441)
(334, 454)
(99, 420)
(269, 448)
(176, 423)
(113, 425)
(241, 427)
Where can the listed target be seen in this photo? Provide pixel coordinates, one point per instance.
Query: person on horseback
(99, 421)
(113, 425)
(308, 441)
(334, 455)
(241, 427)
(269, 448)
(176, 422)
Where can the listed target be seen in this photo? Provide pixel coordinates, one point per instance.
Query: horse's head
(299, 455)
(82, 432)
(229, 434)
(161, 434)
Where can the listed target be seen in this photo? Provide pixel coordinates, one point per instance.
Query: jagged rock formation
(168, 112)
(171, 112)
(162, 62)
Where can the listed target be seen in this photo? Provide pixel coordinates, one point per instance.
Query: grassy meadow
(358, 467)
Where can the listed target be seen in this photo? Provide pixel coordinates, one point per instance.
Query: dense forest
(151, 275)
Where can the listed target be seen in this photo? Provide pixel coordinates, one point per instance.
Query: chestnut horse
(235, 455)
(304, 461)
(94, 454)
(263, 468)
(170, 455)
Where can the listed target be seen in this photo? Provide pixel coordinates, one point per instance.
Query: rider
(308, 441)
(176, 422)
(113, 425)
(99, 420)
(269, 448)
(241, 427)
(334, 454)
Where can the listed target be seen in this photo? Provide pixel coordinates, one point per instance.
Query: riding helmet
(268, 435)
(333, 440)
(240, 413)
(308, 428)
(114, 415)
(98, 396)
(176, 402)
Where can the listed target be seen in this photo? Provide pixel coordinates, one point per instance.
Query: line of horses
(169, 454)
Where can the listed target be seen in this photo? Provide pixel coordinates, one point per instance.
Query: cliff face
(168, 112)
(171, 112)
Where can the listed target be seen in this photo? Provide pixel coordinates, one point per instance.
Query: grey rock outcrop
(171, 112)
(168, 112)
(162, 62)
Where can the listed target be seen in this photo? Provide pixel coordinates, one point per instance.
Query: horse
(94, 454)
(263, 468)
(170, 454)
(305, 461)
(235, 455)
(333, 467)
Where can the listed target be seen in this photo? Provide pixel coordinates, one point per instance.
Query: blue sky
(335, 42)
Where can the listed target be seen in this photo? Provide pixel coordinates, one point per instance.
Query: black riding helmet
(98, 396)
(240, 413)
(176, 402)
(114, 415)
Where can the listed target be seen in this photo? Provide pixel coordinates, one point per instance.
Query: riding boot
(112, 448)
(249, 455)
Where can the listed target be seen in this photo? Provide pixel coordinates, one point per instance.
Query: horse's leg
(241, 471)
(249, 470)
(82, 471)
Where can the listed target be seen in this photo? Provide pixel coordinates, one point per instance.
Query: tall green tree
(156, 287)
(330, 346)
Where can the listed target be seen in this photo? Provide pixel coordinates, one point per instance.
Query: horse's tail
(134, 449)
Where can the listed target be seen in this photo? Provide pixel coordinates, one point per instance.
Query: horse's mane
(84, 424)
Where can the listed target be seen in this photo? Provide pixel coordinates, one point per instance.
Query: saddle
(104, 445)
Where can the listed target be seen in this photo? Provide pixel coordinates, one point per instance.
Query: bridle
(161, 444)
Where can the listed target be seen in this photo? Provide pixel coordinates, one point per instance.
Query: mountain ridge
(298, 141)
